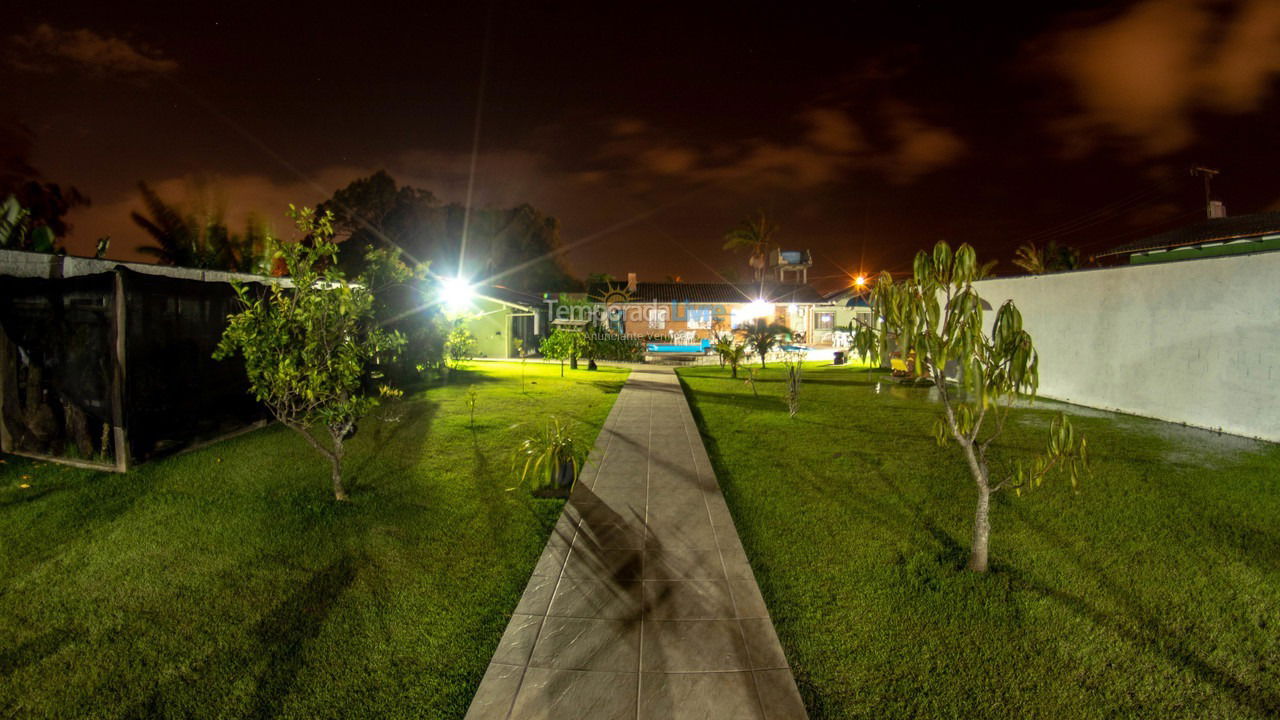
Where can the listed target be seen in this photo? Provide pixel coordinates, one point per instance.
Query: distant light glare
(860, 281)
(759, 309)
(456, 293)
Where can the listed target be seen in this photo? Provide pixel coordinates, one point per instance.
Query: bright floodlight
(860, 281)
(456, 293)
(759, 309)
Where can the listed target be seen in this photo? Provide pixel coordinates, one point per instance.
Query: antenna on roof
(1212, 209)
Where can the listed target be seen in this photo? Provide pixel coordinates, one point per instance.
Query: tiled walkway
(643, 604)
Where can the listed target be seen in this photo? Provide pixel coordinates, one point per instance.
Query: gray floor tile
(497, 692)
(676, 563)
(718, 511)
(553, 556)
(762, 644)
(595, 514)
(735, 563)
(747, 598)
(687, 503)
(611, 535)
(694, 646)
(588, 644)
(537, 595)
(597, 599)
(693, 534)
(699, 696)
(729, 541)
(778, 695)
(548, 694)
(517, 641)
(601, 563)
(630, 479)
(626, 501)
(688, 600)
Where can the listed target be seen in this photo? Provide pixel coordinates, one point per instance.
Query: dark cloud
(919, 148)
(45, 48)
(1142, 76)
(827, 144)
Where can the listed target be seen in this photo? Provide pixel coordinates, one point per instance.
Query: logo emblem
(612, 295)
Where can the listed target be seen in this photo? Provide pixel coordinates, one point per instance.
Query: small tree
(459, 347)
(309, 349)
(559, 345)
(731, 353)
(761, 336)
(794, 364)
(938, 315)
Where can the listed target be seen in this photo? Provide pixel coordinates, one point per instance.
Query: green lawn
(1154, 592)
(227, 583)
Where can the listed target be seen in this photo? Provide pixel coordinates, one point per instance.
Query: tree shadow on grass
(63, 513)
(383, 448)
(283, 633)
(1137, 625)
(33, 650)
(609, 388)
(746, 402)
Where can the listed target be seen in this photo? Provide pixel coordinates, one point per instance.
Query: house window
(699, 317)
(824, 321)
(657, 317)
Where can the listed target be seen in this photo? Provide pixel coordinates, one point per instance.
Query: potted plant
(552, 459)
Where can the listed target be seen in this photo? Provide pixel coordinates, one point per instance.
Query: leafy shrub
(459, 347)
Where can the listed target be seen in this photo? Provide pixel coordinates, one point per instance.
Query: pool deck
(643, 604)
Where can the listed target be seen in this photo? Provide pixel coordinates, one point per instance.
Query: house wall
(723, 314)
(676, 321)
(1196, 342)
(491, 326)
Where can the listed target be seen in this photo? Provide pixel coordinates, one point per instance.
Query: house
(498, 317)
(1213, 237)
(693, 311)
(838, 312)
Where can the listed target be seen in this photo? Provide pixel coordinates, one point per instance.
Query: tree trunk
(339, 493)
(734, 369)
(982, 516)
(981, 532)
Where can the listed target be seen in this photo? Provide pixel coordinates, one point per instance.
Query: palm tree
(730, 352)
(185, 240)
(1029, 258)
(1053, 258)
(755, 234)
(761, 335)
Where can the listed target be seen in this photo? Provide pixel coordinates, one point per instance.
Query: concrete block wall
(1196, 342)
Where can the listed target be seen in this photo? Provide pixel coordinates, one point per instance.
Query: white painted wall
(1196, 341)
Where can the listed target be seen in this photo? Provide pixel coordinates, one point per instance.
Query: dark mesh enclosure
(175, 392)
(58, 373)
(57, 364)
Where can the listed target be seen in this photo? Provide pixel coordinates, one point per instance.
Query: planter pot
(564, 475)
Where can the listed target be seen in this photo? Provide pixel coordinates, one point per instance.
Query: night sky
(865, 133)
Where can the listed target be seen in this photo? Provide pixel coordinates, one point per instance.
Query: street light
(456, 293)
(860, 282)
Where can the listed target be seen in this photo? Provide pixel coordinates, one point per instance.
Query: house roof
(508, 296)
(722, 293)
(1215, 230)
(848, 297)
